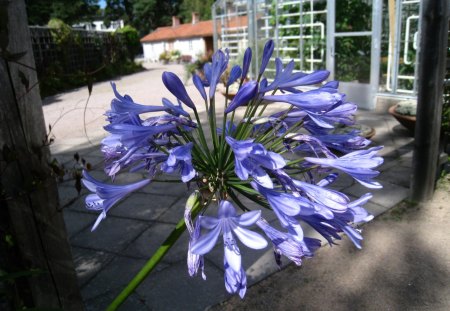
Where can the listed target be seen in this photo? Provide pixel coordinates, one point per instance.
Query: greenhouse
(370, 46)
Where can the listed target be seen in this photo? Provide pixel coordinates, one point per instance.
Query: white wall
(152, 50)
(191, 46)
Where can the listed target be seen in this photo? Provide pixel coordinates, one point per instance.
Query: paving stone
(398, 175)
(388, 164)
(77, 221)
(143, 206)
(178, 252)
(149, 241)
(79, 206)
(112, 278)
(175, 189)
(173, 289)
(175, 211)
(406, 161)
(133, 303)
(68, 195)
(389, 196)
(112, 235)
(375, 209)
(88, 263)
(343, 181)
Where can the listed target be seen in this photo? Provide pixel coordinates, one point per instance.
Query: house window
(190, 45)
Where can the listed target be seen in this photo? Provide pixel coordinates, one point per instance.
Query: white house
(191, 39)
(100, 26)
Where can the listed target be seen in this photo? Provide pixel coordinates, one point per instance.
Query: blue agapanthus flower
(105, 196)
(230, 224)
(180, 158)
(285, 161)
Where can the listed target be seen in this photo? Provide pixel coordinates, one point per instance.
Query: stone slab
(173, 289)
(112, 278)
(77, 221)
(112, 235)
(389, 196)
(143, 206)
(88, 263)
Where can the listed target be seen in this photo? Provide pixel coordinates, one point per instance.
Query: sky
(102, 3)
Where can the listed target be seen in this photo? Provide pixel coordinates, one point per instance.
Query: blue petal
(249, 238)
(206, 242)
(246, 63)
(249, 218)
(199, 85)
(176, 87)
(267, 53)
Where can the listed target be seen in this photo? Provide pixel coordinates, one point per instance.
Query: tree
(69, 11)
(118, 9)
(150, 14)
(202, 7)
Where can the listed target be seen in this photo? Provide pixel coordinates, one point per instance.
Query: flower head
(246, 63)
(123, 106)
(251, 159)
(267, 53)
(245, 94)
(234, 74)
(180, 158)
(230, 224)
(176, 87)
(358, 164)
(105, 196)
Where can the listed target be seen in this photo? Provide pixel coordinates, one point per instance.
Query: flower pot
(406, 120)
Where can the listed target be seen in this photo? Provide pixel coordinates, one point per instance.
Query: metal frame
(364, 94)
(393, 75)
(259, 28)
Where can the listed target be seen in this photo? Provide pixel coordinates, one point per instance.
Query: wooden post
(431, 69)
(31, 220)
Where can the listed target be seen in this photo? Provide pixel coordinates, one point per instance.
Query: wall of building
(191, 46)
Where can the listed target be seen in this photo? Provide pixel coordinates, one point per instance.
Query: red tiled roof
(200, 29)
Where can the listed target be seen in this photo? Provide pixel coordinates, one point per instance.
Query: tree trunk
(32, 231)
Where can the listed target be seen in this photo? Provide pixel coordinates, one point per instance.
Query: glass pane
(353, 15)
(352, 59)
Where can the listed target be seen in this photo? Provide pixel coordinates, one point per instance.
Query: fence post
(431, 69)
(30, 218)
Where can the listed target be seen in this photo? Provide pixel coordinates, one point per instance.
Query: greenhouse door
(353, 48)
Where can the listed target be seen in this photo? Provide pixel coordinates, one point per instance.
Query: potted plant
(405, 113)
(164, 57)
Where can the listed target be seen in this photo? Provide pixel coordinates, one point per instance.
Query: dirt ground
(404, 265)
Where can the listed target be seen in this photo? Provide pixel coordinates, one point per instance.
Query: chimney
(175, 21)
(195, 17)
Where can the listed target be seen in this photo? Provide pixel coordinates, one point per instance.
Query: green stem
(153, 261)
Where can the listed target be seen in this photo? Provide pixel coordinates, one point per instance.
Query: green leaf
(20, 274)
(9, 240)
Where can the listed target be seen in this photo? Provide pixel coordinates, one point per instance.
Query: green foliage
(202, 7)
(312, 43)
(150, 14)
(61, 32)
(115, 57)
(70, 11)
(197, 66)
(131, 40)
(407, 107)
(164, 57)
(116, 10)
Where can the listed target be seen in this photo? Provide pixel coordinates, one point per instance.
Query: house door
(353, 48)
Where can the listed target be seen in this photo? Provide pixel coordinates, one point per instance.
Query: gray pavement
(108, 258)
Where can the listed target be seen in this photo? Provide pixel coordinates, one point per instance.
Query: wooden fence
(79, 51)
